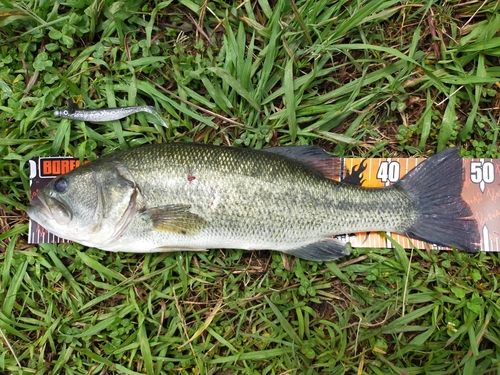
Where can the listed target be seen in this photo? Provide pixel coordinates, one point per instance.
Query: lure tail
(444, 218)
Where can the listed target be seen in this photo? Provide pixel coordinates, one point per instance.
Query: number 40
(388, 171)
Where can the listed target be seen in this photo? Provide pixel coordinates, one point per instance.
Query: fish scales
(185, 196)
(283, 201)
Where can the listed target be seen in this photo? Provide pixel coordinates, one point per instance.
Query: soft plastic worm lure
(104, 114)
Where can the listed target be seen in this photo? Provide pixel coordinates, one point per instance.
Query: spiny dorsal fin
(312, 156)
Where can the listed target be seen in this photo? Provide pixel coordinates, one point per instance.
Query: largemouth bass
(72, 112)
(186, 196)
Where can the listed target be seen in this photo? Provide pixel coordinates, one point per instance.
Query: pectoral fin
(175, 218)
(328, 249)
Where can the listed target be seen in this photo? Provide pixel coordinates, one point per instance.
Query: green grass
(365, 78)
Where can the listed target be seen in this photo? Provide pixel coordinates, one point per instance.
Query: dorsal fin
(71, 106)
(312, 156)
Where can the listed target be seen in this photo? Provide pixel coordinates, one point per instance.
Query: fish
(104, 114)
(195, 197)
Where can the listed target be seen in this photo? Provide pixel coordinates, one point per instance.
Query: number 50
(482, 172)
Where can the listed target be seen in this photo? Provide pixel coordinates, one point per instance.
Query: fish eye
(65, 112)
(61, 185)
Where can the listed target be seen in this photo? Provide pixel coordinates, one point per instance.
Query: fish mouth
(46, 209)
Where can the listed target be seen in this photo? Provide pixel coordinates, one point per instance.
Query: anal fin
(326, 250)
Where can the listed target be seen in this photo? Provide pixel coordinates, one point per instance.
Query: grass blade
(288, 84)
(448, 122)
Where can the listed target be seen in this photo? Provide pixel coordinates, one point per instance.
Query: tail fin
(444, 217)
